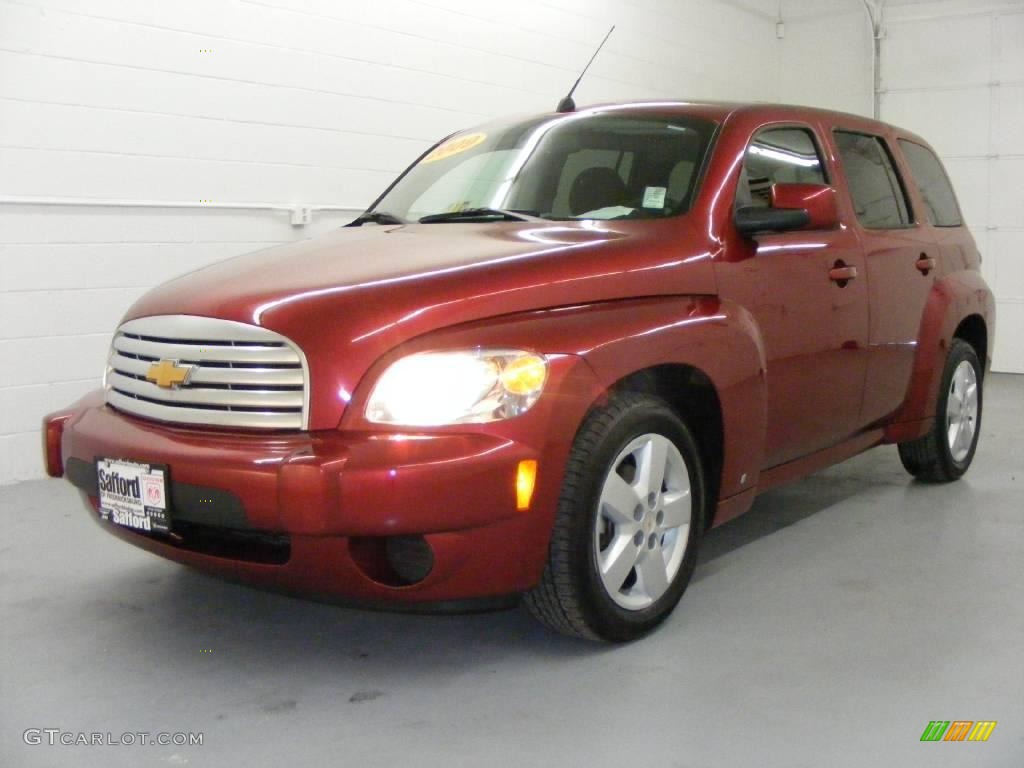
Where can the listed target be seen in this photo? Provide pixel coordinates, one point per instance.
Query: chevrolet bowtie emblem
(168, 374)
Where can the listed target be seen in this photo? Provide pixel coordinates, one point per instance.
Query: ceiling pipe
(874, 11)
(300, 213)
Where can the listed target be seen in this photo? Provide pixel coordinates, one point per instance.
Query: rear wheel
(629, 521)
(946, 452)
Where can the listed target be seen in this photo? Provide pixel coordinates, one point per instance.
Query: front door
(814, 327)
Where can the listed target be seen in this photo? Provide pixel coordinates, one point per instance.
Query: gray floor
(825, 628)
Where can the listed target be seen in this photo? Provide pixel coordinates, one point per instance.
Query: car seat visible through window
(596, 188)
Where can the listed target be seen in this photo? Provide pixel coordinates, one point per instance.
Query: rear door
(901, 259)
(936, 199)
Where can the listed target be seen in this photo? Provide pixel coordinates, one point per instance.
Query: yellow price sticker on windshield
(454, 146)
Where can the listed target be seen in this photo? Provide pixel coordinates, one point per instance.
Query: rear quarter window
(933, 183)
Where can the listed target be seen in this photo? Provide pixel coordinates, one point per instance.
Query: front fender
(619, 338)
(718, 338)
(953, 298)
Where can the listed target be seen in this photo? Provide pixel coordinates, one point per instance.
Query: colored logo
(958, 730)
(168, 374)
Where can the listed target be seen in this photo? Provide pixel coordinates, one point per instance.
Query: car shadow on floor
(776, 510)
(782, 507)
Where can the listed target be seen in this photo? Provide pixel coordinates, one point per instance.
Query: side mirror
(793, 206)
(819, 200)
(752, 220)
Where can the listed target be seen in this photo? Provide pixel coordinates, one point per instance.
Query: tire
(946, 452)
(614, 460)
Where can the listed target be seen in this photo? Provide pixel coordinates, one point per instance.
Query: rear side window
(875, 186)
(778, 156)
(934, 184)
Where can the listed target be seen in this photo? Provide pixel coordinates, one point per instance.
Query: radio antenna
(567, 104)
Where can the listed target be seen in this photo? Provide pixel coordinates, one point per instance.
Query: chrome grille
(239, 375)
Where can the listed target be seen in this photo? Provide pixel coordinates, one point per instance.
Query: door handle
(841, 273)
(925, 264)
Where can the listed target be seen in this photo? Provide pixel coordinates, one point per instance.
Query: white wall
(826, 55)
(953, 70)
(312, 102)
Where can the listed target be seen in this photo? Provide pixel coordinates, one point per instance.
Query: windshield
(577, 166)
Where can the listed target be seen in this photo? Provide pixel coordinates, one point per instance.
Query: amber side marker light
(526, 478)
(53, 432)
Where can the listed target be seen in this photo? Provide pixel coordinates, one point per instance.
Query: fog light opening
(394, 561)
(410, 557)
(526, 479)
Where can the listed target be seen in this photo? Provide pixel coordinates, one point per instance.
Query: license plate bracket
(133, 494)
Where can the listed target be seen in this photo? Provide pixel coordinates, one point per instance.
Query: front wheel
(946, 452)
(629, 521)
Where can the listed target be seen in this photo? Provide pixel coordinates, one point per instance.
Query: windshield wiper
(377, 217)
(479, 213)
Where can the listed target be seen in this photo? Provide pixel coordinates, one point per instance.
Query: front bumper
(317, 513)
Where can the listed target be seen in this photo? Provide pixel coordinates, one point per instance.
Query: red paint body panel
(807, 370)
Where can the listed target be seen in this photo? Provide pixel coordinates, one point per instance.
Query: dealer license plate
(133, 495)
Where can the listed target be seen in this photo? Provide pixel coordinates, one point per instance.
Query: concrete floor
(825, 628)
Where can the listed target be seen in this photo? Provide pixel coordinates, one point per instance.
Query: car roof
(720, 111)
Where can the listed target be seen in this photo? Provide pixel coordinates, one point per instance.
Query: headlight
(470, 386)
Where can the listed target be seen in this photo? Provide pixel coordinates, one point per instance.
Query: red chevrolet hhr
(548, 358)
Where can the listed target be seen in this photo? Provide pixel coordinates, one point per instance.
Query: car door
(814, 327)
(901, 258)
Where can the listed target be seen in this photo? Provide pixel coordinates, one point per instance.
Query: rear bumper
(314, 513)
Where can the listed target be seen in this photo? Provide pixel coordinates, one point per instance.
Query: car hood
(350, 296)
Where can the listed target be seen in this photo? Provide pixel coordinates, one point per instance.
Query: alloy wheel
(643, 521)
(962, 411)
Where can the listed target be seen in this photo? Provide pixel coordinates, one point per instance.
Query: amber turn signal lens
(526, 479)
(524, 375)
(53, 432)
